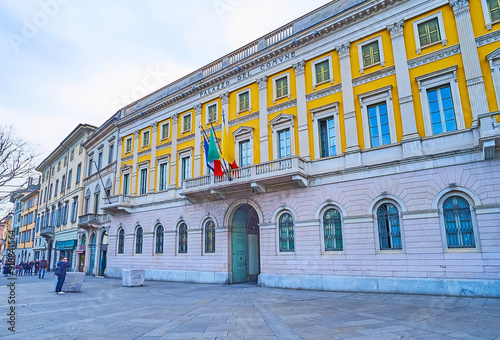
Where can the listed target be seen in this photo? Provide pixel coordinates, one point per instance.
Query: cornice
(385, 72)
(325, 92)
(487, 38)
(185, 138)
(127, 158)
(164, 146)
(283, 106)
(244, 119)
(437, 55)
(144, 152)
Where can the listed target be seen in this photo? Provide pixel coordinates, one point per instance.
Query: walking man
(43, 266)
(61, 274)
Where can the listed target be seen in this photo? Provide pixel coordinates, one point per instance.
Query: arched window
(209, 237)
(183, 238)
(458, 223)
(159, 239)
(121, 241)
(388, 227)
(286, 233)
(332, 228)
(138, 241)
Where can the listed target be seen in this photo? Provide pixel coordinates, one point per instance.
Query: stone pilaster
(472, 67)
(263, 121)
(118, 172)
(303, 130)
(173, 153)
(197, 140)
(411, 139)
(152, 171)
(133, 179)
(352, 150)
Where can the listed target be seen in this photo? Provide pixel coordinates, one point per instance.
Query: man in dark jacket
(63, 265)
(43, 267)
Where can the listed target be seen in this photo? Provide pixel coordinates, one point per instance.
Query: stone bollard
(73, 282)
(133, 277)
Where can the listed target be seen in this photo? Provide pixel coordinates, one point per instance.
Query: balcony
(47, 232)
(90, 220)
(118, 202)
(489, 133)
(264, 177)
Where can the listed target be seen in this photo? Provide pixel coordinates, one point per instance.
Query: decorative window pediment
(243, 131)
(282, 118)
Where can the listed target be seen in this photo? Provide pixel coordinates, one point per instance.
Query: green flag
(213, 153)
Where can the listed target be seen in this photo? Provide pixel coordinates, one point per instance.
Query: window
(211, 113)
(96, 203)
(159, 240)
(138, 241)
(65, 161)
(145, 139)
(441, 109)
(281, 85)
(332, 229)
(245, 152)
(186, 167)
(322, 71)
(86, 204)
(284, 143)
(209, 237)
(90, 167)
(429, 31)
(244, 101)
(80, 150)
(186, 123)
(65, 213)
(78, 172)
(128, 145)
(121, 241)
(57, 186)
(63, 183)
(69, 178)
(370, 53)
(72, 155)
(458, 223)
(110, 154)
(165, 131)
(74, 210)
(183, 238)
(327, 137)
(491, 12)
(59, 166)
(126, 179)
(379, 125)
(388, 227)
(143, 189)
(99, 161)
(286, 233)
(163, 177)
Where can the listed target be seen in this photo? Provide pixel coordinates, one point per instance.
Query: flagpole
(223, 165)
(220, 150)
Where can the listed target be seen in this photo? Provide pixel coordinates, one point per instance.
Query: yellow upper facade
(332, 89)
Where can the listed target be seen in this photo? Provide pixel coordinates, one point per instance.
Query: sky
(65, 62)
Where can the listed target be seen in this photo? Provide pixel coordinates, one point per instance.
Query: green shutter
(494, 7)
(428, 32)
(322, 71)
(281, 87)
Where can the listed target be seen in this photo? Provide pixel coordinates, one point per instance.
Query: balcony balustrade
(489, 133)
(47, 231)
(89, 220)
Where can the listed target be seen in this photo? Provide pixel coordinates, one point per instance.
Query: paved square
(165, 310)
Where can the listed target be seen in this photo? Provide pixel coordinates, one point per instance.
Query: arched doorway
(92, 254)
(245, 245)
(104, 251)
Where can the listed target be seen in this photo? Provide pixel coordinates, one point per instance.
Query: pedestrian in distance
(26, 268)
(37, 267)
(20, 269)
(43, 267)
(60, 272)
(30, 268)
(6, 269)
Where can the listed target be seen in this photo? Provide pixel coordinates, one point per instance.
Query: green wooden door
(238, 238)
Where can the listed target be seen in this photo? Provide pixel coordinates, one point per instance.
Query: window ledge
(490, 24)
(285, 253)
(323, 82)
(389, 251)
(444, 42)
(282, 97)
(332, 252)
(245, 110)
(186, 131)
(461, 250)
(380, 63)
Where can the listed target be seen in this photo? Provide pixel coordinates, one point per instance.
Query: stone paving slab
(104, 309)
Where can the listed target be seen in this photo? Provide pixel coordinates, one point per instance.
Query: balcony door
(245, 245)
(92, 254)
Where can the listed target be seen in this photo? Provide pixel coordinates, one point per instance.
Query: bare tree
(17, 161)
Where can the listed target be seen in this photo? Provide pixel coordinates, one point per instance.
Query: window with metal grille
(428, 32)
(244, 100)
(389, 227)
(121, 241)
(183, 235)
(281, 87)
(327, 137)
(332, 227)
(458, 223)
(322, 70)
(441, 109)
(371, 54)
(210, 237)
(138, 241)
(159, 240)
(286, 233)
(379, 124)
(494, 9)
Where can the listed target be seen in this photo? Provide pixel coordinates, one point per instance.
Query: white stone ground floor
(247, 237)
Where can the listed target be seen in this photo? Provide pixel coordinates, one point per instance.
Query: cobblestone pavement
(165, 310)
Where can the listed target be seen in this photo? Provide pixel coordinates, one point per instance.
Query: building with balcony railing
(367, 136)
(61, 196)
(99, 185)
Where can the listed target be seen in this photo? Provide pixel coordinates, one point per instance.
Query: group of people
(26, 268)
